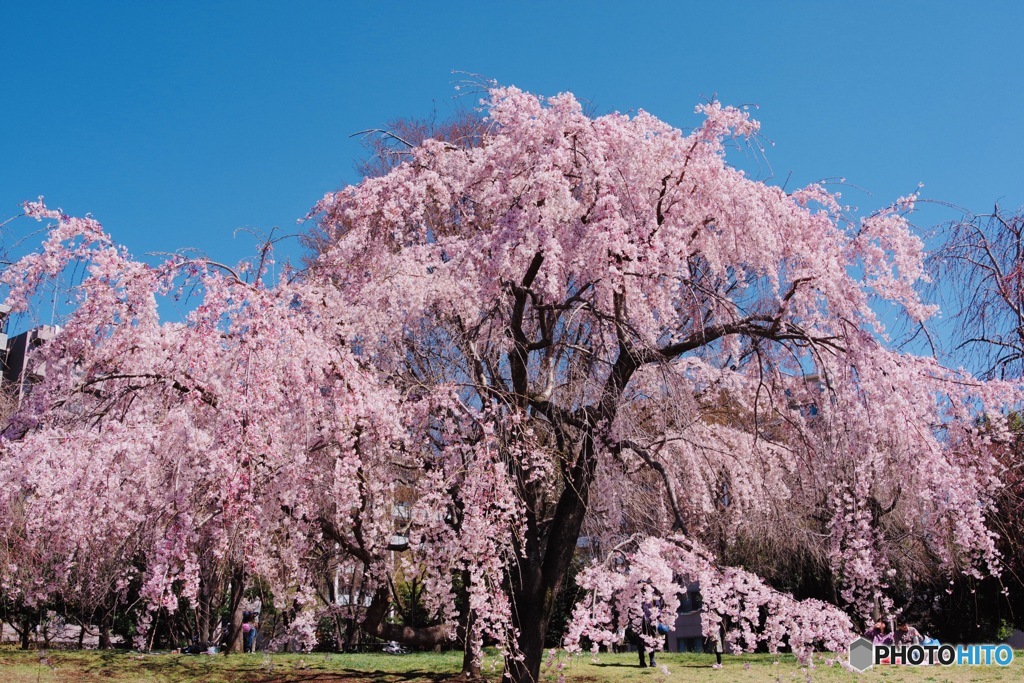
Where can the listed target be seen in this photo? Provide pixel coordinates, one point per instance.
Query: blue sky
(176, 123)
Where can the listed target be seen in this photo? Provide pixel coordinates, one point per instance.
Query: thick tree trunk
(543, 570)
(106, 624)
(532, 623)
(81, 637)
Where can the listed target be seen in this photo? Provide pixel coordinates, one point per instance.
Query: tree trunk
(25, 633)
(106, 623)
(470, 662)
(237, 588)
(81, 637)
(467, 627)
(206, 622)
(542, 571)
(470, 665)
(532, 626)
(353, 635)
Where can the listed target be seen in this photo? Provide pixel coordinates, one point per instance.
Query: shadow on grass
(672, 665)
(617, 664)
(174, 667)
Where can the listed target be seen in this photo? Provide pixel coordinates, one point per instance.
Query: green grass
(124, 667)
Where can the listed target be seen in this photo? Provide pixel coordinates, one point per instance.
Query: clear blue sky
(175, 123)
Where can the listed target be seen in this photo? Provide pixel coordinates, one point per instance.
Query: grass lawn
(78, 667)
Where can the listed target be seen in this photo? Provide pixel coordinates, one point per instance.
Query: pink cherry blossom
(579, 328)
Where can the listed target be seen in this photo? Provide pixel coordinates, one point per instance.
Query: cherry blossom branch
(666, 478)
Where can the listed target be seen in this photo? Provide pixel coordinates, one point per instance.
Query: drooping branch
(666, 478)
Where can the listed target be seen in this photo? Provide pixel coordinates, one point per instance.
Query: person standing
(648, 632)
(644, 636)
(248, 632)
(716, 643)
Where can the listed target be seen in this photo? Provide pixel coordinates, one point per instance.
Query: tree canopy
(574, 327)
